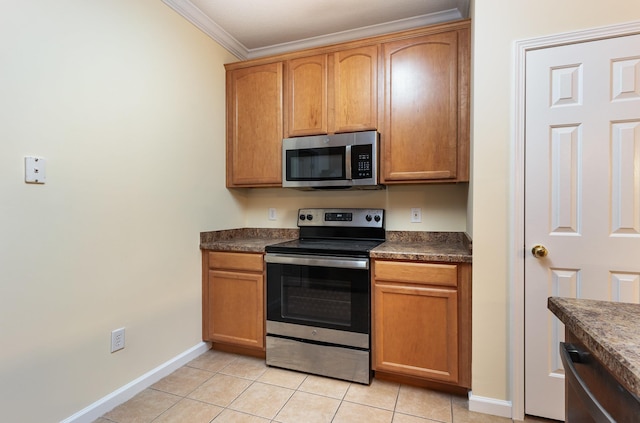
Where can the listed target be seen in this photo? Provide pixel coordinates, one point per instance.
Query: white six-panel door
(582, 194)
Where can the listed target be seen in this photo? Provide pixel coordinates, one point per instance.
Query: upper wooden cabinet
(355, 93)
(411, 86)
(254, 126)
(307, 96)
(425, 137)
(336, 92)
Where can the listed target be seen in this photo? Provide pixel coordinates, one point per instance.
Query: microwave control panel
(361, 161)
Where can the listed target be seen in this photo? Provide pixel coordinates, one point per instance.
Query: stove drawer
(326, 360)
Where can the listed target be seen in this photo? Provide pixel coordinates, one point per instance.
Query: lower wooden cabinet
(422, 320)
(233, 299)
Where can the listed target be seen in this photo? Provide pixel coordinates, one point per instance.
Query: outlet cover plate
(34, 170)
(416, 215)
(117, 340)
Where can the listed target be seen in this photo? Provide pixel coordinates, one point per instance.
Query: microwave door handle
(347, 162)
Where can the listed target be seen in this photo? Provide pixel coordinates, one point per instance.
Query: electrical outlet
(272, 214)
(416, 215)
(117, 340)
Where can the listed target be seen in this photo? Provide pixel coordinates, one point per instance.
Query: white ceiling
(255, 28)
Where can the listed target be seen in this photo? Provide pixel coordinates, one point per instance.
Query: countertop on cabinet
(609, 330)
(453, 247)
(399, 245)
(246, 240)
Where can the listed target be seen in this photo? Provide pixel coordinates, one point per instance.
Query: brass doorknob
(539, 251)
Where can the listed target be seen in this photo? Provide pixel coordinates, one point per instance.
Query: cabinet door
(420, 109)
(254, 126)
(353, 90)
(416, 331)
(235, 309)
(307, 96)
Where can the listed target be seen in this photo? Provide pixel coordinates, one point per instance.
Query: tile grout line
(261, 371)
(187, 394)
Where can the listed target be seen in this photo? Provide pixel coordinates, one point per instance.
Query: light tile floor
(221, 387)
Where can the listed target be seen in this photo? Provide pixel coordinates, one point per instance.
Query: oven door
(319, 291)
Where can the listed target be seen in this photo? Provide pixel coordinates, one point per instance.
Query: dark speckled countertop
(425, 246)
(400, 245)
(246, 240)
(611, 332)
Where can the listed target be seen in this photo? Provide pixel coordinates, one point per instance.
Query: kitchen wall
(496, 25)
(443, 206)
(125, 101)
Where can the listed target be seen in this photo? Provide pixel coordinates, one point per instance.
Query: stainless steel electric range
(319, 294)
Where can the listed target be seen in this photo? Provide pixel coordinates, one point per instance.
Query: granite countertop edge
(399, 245)
(609, 330)
(248, 240)
(454, 247)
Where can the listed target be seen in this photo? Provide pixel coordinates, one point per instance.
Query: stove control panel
(363, 218)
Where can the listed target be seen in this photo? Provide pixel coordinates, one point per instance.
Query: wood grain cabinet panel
(417, 331)
(355, 90)
(233, 299)
(336, 92)
(307, 96)
(420, 273)
(422, 321)
(425, 135)
(254, 126)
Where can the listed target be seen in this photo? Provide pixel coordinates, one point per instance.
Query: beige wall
(443, 206)
(496, 25)
(125, 100)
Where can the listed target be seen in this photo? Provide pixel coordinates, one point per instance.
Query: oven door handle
(320, 261)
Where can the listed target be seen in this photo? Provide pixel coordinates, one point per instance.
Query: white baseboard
(489, 406)
(117, 397)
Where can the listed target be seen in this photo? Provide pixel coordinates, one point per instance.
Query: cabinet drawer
(248, 262)
(420, 273)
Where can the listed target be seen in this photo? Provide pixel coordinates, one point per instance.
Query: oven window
(317, 300)
(312, 164)
(327, 297)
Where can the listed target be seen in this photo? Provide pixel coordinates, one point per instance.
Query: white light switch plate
(34, 170)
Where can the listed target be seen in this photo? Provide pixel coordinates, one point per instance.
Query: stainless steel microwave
(348, 160)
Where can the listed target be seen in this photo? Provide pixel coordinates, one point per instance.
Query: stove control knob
(368, 217)
(302, 217)
(309, 217)
(377, 218)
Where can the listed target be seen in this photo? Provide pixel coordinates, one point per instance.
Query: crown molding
(357, 33)
(197, 17)
(187, 10)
